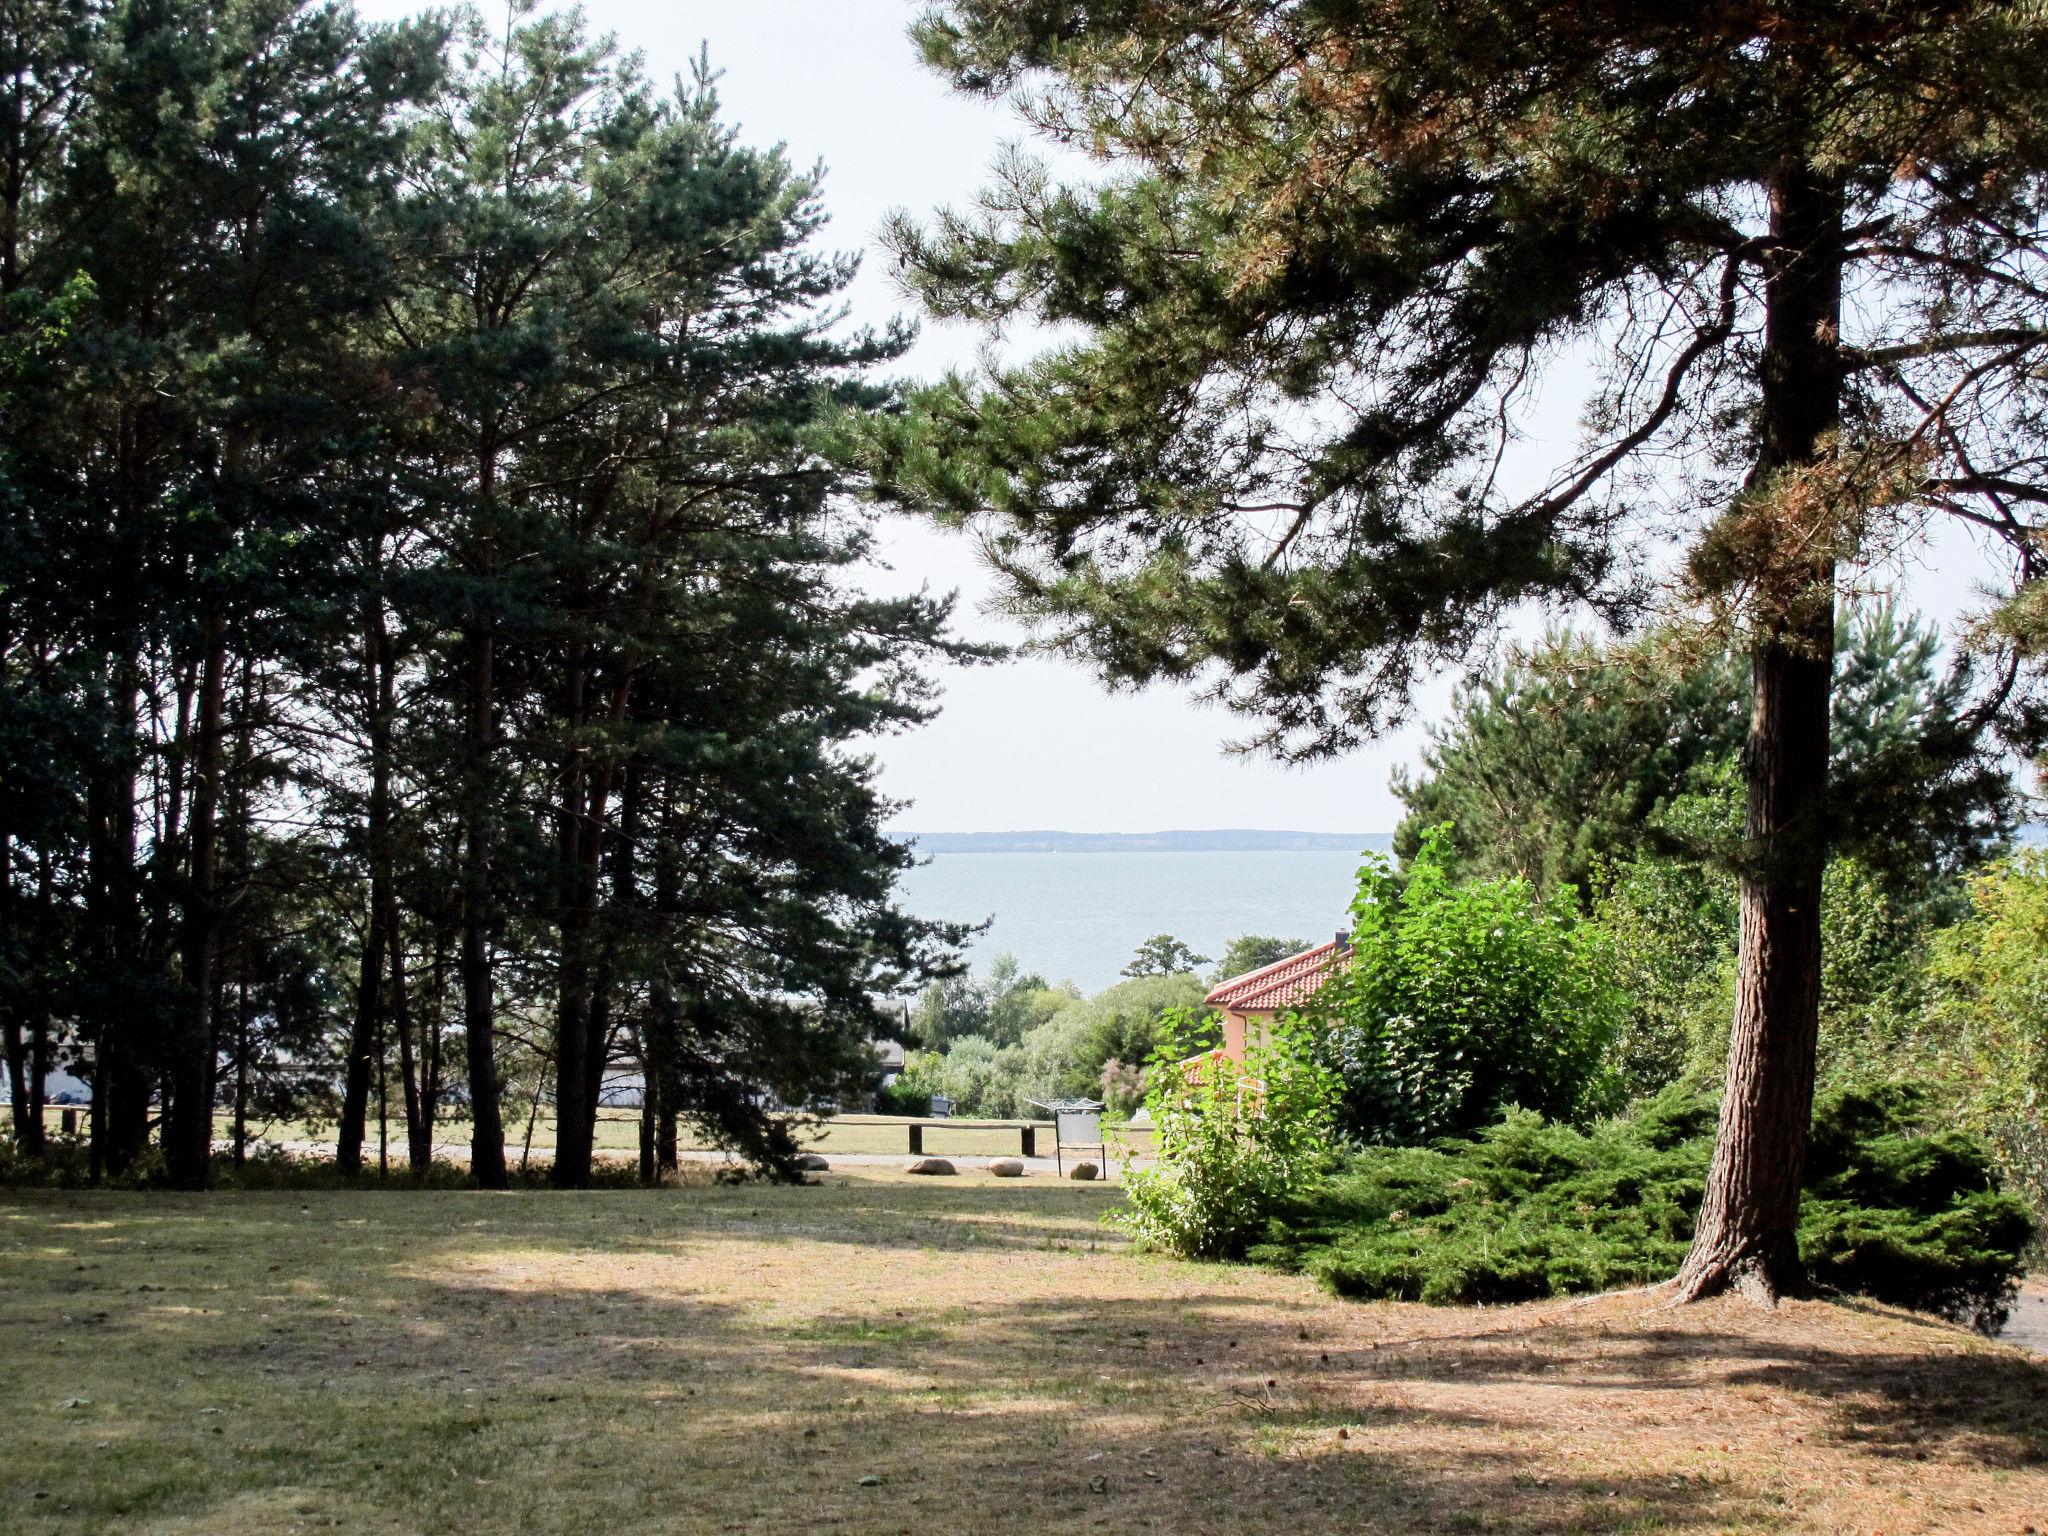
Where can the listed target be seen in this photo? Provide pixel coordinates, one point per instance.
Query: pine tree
(1555, 765)
(428, 610)
(1334, 247)
(503, 326)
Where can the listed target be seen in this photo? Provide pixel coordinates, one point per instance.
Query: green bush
(1233, 1140)
(1991, 1013)
(1063, 1058)
(903, 1097)
(1461, 1000)
(1530, 1209)
(1915, 1220)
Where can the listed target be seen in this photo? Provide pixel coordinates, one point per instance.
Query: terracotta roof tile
(1283, 984)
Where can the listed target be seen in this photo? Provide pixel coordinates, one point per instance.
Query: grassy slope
(740, 1359)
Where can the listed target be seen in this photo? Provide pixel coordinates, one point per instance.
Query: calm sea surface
(1079, 916)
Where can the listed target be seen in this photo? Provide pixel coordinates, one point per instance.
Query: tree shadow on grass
(1953, 1396)
(675, 1360)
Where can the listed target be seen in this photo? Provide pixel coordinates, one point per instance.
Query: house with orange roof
(1252, 1001)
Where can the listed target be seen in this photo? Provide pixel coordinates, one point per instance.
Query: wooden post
(1029, 1138)
(917, 1141)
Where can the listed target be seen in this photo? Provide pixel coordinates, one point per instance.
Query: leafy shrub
(1233, 1140)
(1529, 1209)
(977, 1076)
(1460, 1000)
(1123, 1086)
(911, 1093)
(1063, 1058)
(905, 1096)
(980, 1077)
(1992, 973)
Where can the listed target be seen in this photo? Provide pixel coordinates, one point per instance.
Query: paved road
(2028, 1325)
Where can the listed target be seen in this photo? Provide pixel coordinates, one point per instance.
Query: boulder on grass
(1084, 1172)
(932, 1165)
(810, 1162)
(1007, 1168)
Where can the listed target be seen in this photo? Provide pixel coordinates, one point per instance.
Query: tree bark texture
(1746, 1239)
(366, 1026)
(188, 1128)
(487, 1126)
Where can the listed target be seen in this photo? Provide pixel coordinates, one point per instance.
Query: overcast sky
(1033, 743)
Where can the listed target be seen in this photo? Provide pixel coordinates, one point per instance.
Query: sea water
(1080, 917)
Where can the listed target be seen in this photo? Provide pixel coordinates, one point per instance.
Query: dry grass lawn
(883, 1354)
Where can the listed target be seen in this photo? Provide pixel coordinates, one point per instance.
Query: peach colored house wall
(1241, 1030)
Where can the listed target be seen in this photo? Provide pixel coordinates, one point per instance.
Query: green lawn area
(880, 1353)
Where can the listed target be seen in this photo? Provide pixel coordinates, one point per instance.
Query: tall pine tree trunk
(583, 1018)
(188, 1121)
(479, 996)
(424, 1029)
(16, 1038)
(1747, 1234)
(122, 1075)
(582, 1022)
(364, 1032)
(366, 1026)
(40, 1012)
(245, 874)
(487, 1126)
(573, 1125)
(419, 1132)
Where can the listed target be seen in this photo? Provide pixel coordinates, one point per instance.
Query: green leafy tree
(1005, 1005)
(979, 1077)
(1992, 1006)
(1250, 951)
(1460, 1000)
(1020, 1001)
(1235, 1140)
(434, 620)
(498, 243)
(1331, 253)
(1164, 955)
(948, 1008)
(193, 186)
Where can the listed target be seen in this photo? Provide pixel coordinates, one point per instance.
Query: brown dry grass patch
(711, 1359)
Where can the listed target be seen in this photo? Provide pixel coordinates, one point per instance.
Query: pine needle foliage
(1529, 1209)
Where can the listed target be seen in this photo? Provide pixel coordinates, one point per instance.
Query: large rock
(1007, 1168)
(932, 1165)
(1084, 1172)
(810, 1162)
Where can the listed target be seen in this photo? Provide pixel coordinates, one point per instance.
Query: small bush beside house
(1236, 1139)
(1460, 1000)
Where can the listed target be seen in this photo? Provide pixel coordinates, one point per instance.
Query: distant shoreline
(1226, 840)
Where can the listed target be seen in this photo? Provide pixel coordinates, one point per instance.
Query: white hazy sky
(1033, 743)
